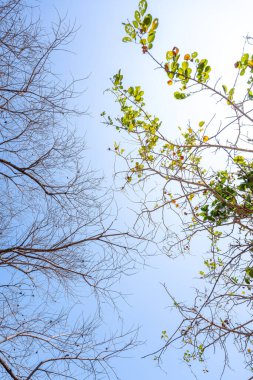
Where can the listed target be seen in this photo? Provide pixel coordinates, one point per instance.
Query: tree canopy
(205, 176)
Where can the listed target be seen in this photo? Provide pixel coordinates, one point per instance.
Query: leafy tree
(57, 235)
(206, 177)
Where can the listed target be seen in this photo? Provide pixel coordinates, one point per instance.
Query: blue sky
(213, 28)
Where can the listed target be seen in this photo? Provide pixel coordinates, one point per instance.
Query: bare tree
(57, 232)
(40, 342)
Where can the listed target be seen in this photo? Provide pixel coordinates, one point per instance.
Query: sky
(213, 28)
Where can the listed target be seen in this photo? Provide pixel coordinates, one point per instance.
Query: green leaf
(127, 39)
(201, 123)
(240, 160)
(129, 30)
(225, 89)
(143, 6)
(188, 72)
(231, 91)
(250, 94)
(179, 95)
(151, 37)
(155, 23)
(169, 55)
(147, 20)
(137, 16)
(185, 65)
(249, 271)
(245, 58)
